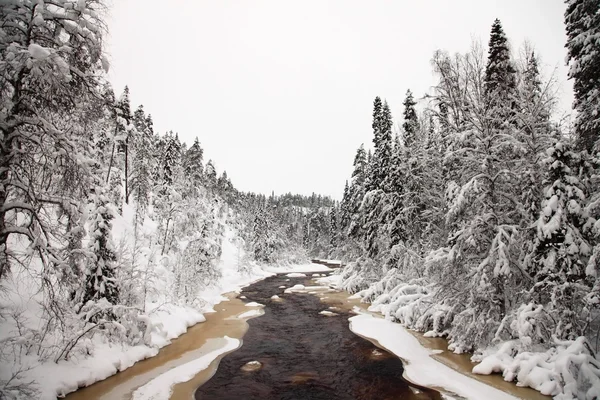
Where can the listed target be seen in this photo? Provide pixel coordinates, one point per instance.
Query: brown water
(303, 354)
(306, 355)
(459, 362)
(199, 339)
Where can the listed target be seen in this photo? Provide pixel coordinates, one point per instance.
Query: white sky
(280, 92)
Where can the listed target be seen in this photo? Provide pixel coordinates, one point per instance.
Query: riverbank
(224, 317)
(428, 361)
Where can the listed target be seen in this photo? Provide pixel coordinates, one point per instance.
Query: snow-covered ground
(310, 267)
(419, 367)
(99, 356)
(160, 388)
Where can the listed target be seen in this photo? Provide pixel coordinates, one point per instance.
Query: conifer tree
(500, 74)
(125, 132)
(411, 122)
(141, 175)
(582, 19)
(171, 159)
(210, 175)
(100, 273)
(560, 247)
(193, 166)
(382, 140)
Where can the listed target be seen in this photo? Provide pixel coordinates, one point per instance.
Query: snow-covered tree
(410, 125)
(582, 19)
(560, 249)
(100, 282)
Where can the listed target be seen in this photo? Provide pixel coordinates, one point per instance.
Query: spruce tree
(500, 78)
(582, 19)
(210, 175)
(382, 141)
(193, 166)
(411, 122)
(560, 247)
(171, 159)
(141, 175)
(100, 272)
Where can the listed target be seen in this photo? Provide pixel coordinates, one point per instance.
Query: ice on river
(254, 304)
(296, 275)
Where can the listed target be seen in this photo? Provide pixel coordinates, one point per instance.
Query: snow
(252, 313)
(331, 280)
(161, 387)
(167, 319)
(294, 288)
(254, 304)
(38, 52)
(275, 297)
(327, 313)
(284, 269)
(338, 262)
(419, 367)
(296, 275)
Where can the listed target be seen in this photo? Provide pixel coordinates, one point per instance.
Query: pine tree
(193, 166)
(143, 160)
(126, 131)
(210, 175)
(345, 211)
(560, 247)
(411, 122)
(582, 19)
(100, 273)
(500, 78)
(171, 159)
(382, 140)
(333, 227)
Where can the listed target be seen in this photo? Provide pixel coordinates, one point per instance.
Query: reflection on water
(306, 355)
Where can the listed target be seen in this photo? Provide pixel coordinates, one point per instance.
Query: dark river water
(305, 355)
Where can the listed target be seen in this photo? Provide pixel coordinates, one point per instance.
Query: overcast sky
(280, 92)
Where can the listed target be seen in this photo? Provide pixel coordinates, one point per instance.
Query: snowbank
(251, 313)
(98, 356)
(160, 387)
(283, 269)
(564, 370)
(419, 367)
(296, 275)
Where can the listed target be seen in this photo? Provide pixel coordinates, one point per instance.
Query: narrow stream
(305, 354)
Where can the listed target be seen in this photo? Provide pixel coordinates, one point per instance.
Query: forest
(476, 217)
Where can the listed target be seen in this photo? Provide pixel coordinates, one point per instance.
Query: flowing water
(306, 355)
(303, 354)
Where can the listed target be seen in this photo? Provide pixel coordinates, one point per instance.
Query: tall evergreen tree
(171, 159)
(100, 274)
(411, 122)
(193, 166)
(500, 78)
(582, 19)
(143, 160)
(382, 141)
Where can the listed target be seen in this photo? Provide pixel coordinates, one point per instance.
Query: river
(300, 348)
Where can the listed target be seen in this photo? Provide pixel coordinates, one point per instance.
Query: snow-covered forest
(477, 217)
(474, 216)
(111, 234)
